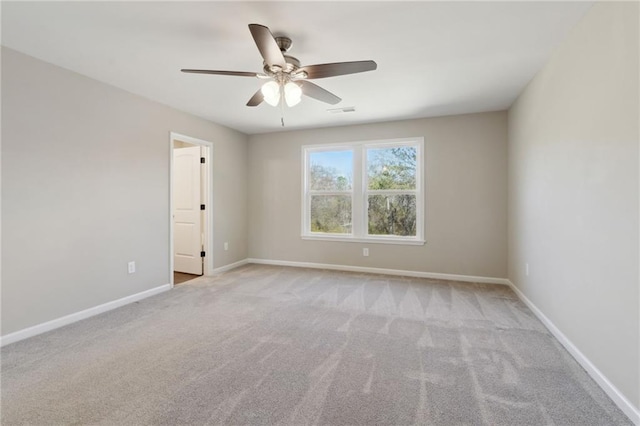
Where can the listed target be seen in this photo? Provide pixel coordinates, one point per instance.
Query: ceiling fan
(287, 79)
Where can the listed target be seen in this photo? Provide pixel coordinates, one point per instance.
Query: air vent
(341, 110)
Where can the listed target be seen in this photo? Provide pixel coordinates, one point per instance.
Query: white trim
(230, 266)
(344, 238)
(306, 194)
(618, 398)
(360, 193)
(418, 192)
(68, 319)
(418, 274)
(209, 201)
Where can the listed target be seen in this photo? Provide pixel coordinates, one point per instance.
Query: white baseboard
(620, 400)
(230, 266)
(68, 319)
(418, 274)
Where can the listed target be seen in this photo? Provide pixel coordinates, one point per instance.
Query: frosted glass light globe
(292, 94)
(271, 92)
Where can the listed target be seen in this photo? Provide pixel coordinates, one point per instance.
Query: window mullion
(306, 198)
(357, 198)
(391, 192)
(323, 192)
(364, 213)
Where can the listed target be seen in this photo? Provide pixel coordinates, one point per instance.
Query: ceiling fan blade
(338, 68)
(317, 92)
(267, 45)
(234, 73)
(256, 99)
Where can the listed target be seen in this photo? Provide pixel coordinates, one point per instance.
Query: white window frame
(360, 193)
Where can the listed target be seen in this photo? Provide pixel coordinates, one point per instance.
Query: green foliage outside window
(331, 214)
(388, 169)
(392, 215)
(392, 169)
(325, 178)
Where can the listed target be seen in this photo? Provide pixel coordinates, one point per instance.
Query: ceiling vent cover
(341, 110)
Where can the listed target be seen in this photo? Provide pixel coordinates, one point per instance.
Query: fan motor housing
(292, 65)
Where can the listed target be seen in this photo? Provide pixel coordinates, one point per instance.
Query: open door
(187, 227)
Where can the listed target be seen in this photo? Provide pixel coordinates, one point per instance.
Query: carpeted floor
(274, 345)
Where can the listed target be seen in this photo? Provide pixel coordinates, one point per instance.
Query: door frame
(207, 226)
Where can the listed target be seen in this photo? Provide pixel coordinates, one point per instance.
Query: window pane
(392, 168)
(331, 170)
(392, 215)
(331, 214)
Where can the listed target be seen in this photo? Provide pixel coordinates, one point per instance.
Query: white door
(186, 211)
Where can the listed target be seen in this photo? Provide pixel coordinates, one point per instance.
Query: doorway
(190, 208)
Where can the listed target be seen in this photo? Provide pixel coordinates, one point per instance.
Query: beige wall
(465, 168)
(85, 175)
(85, 189)
(573, 191)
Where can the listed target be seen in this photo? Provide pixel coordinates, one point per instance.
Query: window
(364, 191)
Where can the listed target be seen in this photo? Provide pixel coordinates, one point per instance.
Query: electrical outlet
(226, 246)
(526, 269)
(365, 252)
(131, 267)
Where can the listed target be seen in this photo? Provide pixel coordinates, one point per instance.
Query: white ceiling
(434, 58)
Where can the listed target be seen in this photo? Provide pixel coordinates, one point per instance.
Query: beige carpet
(274, 345)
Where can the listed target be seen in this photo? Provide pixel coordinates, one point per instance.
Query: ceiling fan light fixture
(271, 92)
(286, 78)
(292, 94)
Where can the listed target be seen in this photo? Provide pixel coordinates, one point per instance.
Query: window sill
(370, 240)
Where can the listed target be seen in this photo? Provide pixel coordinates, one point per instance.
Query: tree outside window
(364, 191)
(391, 190)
